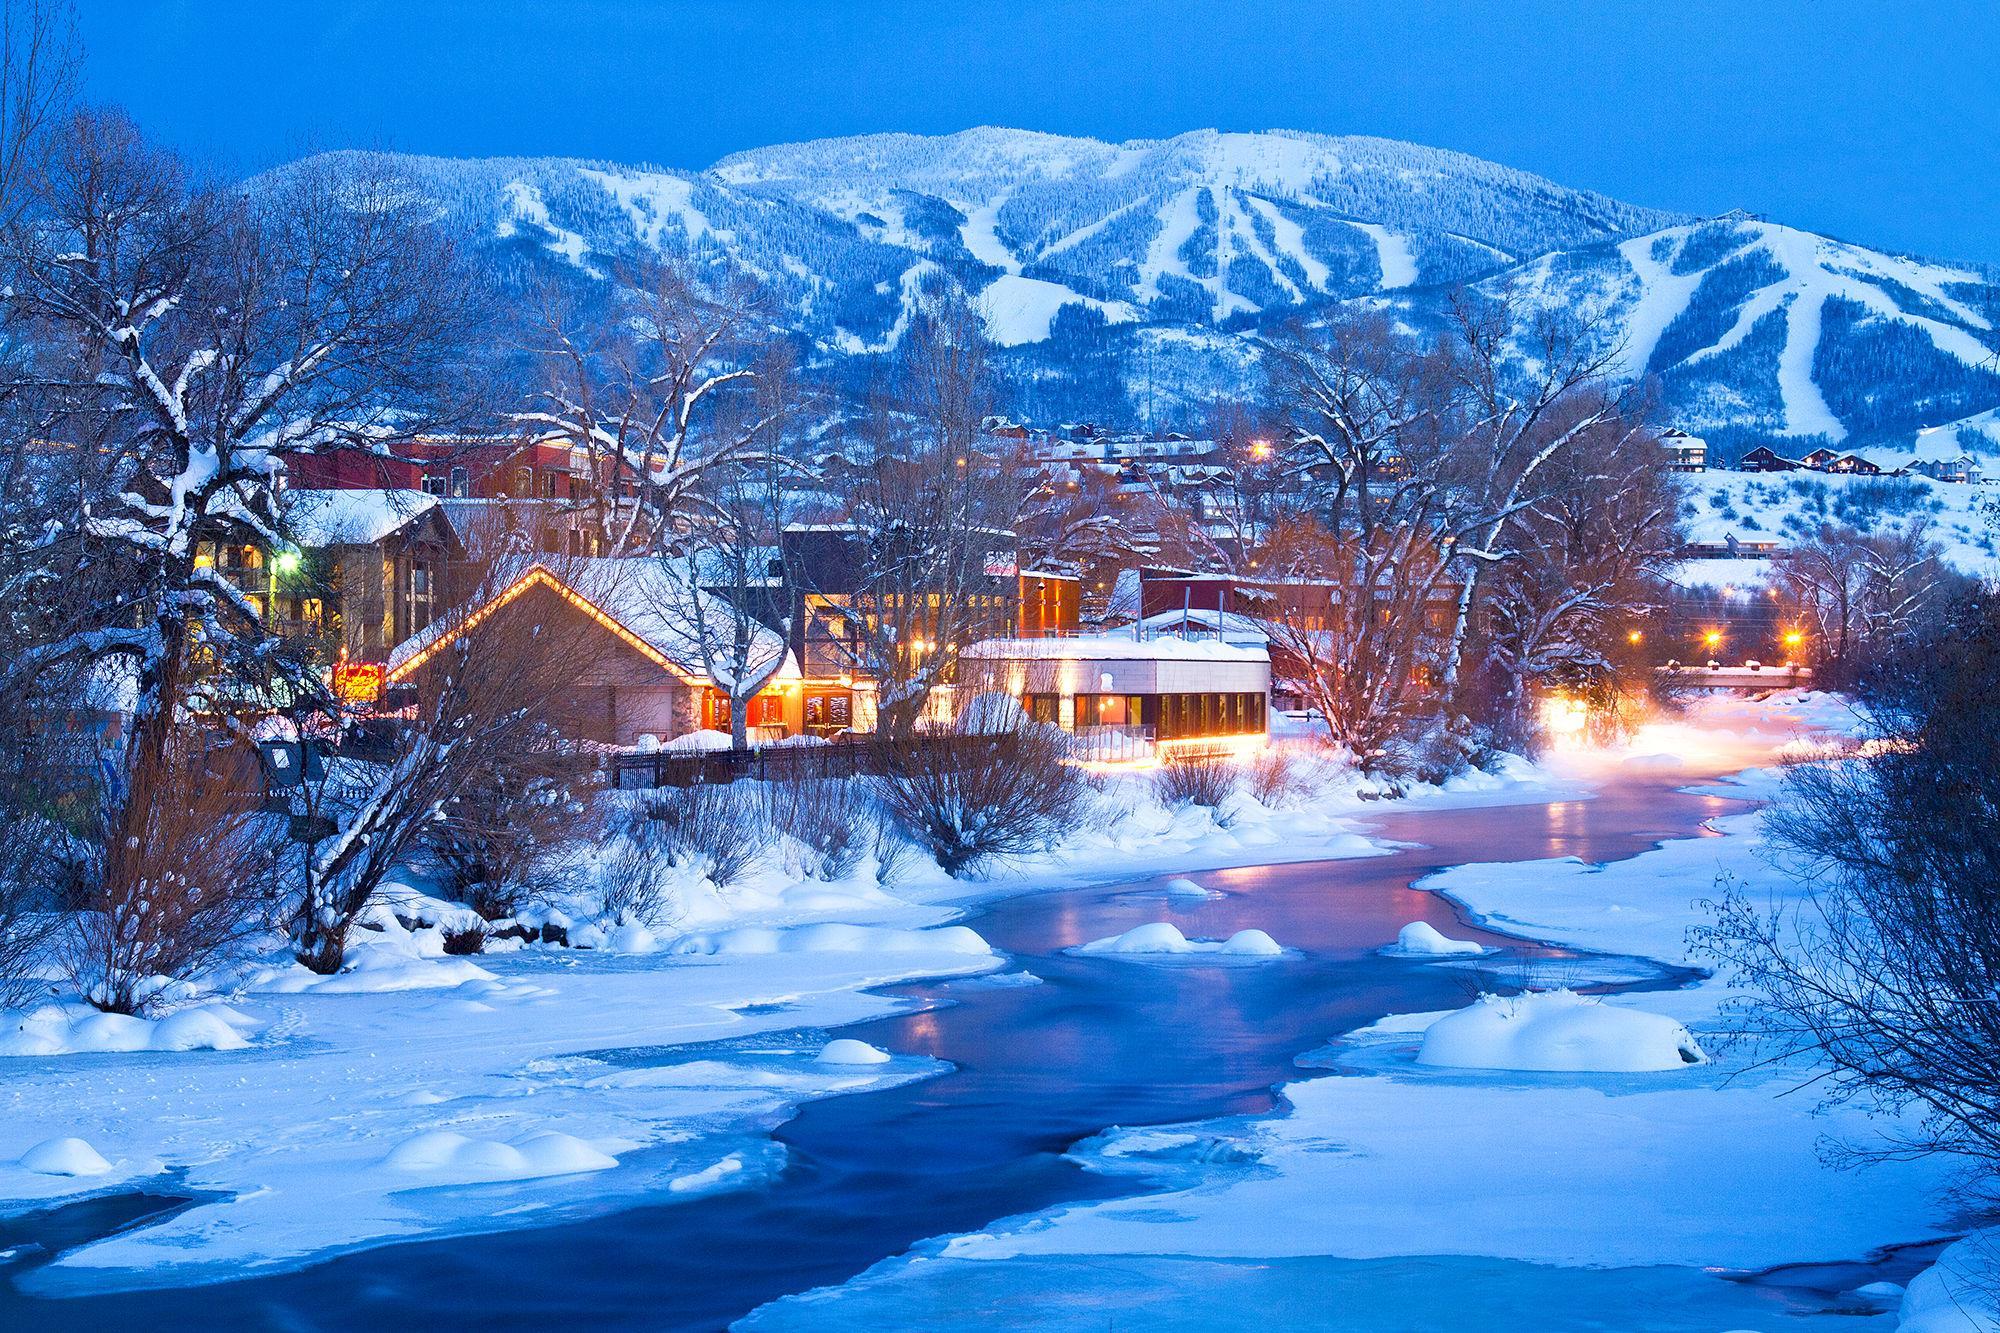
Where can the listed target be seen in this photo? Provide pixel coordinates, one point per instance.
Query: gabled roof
(644, 603)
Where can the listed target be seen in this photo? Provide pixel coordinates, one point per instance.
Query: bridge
(1743, 677)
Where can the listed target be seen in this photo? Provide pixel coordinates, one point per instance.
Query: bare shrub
(463, 940)
(180, 870)
(1887, 969)
(1278, 775)
(718, 828)
(967, 799)
(46, 807)
(826, 816)
(515, 818)
(1195, 779)
(886, 841)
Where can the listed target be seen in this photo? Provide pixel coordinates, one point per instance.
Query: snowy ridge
(1132, 279)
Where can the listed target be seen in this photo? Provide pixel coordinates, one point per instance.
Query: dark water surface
(1101, 1042)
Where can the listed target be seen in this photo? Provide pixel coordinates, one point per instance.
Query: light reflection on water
(1102, 1042)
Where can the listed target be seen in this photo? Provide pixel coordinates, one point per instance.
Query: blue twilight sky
(1877, 122)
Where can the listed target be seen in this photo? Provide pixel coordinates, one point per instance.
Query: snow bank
(1164, 939)
(1955, 1294)
(1557, 1030)
(834, 938)
(462, 1159)
(1187, 888)
(77, 1029)
(848, 1051)
(1420, 939)
(64, 1157)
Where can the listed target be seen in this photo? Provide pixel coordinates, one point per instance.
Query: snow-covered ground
(1785, 507)
(1697, 1159)
(416, 1094)
(421, 1095)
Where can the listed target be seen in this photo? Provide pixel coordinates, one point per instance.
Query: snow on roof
(316, 518)
(1235, 628)
(1723, 573)
(649, 599)
(1115, 648)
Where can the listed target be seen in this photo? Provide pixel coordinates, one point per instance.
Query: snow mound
(1163, 938)
(630, 937)
(834, 938)
(442, 1152)
(1954, 1295)
(1186, 888)
(848, 1051)
(707, 1176)
(1557, 1030)
(64, 1157)
(74, 1030)
(1420, 939)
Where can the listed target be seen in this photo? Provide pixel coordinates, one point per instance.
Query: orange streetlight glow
(1634, 637)
(1793, 638)
(1713, 638)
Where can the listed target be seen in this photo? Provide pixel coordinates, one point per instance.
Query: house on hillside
(1763, 458)
(1685, 452)
(641, 669)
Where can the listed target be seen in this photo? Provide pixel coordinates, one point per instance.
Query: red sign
(358, 682)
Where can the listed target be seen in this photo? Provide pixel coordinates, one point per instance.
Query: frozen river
(1037, 1067)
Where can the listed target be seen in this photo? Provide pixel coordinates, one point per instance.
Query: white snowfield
(1697, 1164)
(354, 1113)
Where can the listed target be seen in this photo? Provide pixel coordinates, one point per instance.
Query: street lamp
(1635, 637)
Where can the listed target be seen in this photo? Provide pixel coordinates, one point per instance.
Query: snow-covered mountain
(1757, 328)
(1125, 280)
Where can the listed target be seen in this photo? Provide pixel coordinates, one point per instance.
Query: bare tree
(633, 394)
(1584, 576)
(1887, 970)
(1367, 452)
(1528, 390)
(728, 584)
(482, 771)
(930, 559)
(1856, 592)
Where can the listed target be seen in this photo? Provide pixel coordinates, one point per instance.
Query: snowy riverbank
(1523, 1179)
(418, 1094)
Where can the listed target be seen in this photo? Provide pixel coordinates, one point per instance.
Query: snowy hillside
(1758, 328)
(1204, 226)
(1124, 281)
(1752, 508)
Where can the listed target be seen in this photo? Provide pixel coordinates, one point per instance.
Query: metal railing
(1111, 744)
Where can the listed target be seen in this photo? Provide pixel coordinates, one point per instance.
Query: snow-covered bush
(825, 817)
(177, 871)
(500, 834)
(1195, 779)
(717, 828)
(636, 872)
(1284, 773)
(969, 798)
